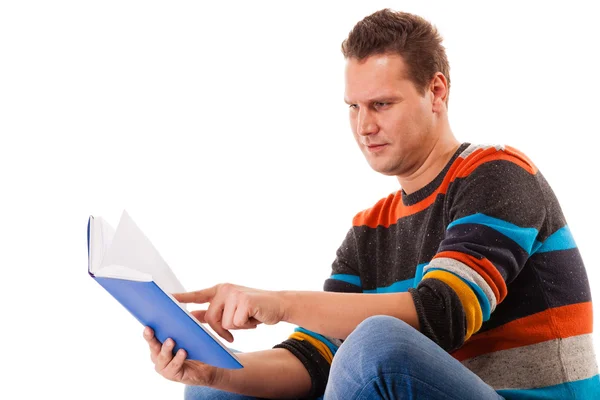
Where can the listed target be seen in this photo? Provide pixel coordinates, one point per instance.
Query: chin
(387, 172)
(382, 169)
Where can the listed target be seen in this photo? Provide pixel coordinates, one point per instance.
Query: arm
(331, 315)
(495, 213)
(277, 373)
(338, 314)
(328, 315)
(266, 374)
(271, 374)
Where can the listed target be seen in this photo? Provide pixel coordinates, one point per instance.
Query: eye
(353, 106)
(380, 104)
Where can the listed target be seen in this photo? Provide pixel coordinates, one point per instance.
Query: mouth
(374, 148)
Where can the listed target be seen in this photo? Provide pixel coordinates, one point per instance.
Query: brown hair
(412, 37)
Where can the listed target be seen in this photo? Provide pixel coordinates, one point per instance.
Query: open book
(127, 265)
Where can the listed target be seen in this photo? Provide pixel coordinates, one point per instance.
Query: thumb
(199, 296)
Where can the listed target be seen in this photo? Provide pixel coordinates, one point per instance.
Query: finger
(173, 370)
(153, 343)
(165, 355)
(242, 320)
(228, 314)
(241, 316)
(213, 317)
(248, 325)
(199, 296)
(148, 333)
(199, 315)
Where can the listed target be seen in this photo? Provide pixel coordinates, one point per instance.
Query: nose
(365, 124)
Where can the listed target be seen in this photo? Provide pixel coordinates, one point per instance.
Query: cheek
(352, 120)
(400, 125)
(353, 127)
(423, 113)
(412, 122)
(356, 137)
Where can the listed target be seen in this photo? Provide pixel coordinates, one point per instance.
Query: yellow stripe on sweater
(467, 298)
(320, 346)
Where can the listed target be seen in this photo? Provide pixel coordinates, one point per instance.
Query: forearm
(337, 314)
(270, 374)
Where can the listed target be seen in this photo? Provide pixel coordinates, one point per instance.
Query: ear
(439, 92)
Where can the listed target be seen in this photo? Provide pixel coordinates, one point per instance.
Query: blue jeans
(385, 358)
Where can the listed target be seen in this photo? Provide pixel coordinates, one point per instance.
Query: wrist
(219, 379)
(286, 304)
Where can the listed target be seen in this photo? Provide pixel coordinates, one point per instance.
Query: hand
(235, 307)
(177, 368)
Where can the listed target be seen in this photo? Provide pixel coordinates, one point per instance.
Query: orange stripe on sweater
(473, 159)
(389, 210)
(320, 346)
(514, 152)
(554, 323)
(481, 156)
(483, 267)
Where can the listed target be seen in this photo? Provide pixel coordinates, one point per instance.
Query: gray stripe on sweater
(537, 365)
(474, 147)
(469, 150)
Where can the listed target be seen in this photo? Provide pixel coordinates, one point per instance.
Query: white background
(221, 129)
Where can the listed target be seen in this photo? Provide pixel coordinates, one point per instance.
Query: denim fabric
(385, 358)
(200, 392)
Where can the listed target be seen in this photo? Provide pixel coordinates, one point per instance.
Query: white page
(108, 233)
(101, 235)
(121, 272)
(130, 248)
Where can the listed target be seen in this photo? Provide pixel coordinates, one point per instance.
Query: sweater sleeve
(316, 351)
(494, 211)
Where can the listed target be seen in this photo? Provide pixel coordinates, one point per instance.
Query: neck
(434, 162)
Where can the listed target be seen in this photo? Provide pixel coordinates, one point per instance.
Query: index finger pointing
(199, 296)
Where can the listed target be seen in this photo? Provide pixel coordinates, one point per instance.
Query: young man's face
(390, 120)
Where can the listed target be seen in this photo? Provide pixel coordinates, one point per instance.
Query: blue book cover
(126, 264)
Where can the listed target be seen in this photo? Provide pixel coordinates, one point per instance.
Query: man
(464, 284)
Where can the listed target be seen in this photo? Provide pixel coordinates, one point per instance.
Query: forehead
(377, 75)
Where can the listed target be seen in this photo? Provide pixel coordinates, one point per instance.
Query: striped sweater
(496, 277)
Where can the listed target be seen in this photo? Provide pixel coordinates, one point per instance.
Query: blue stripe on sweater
(402, 286)
(525, 237)
(321, 338)
(396, 287)
(583, 389)
(559, 240)
(351, 279)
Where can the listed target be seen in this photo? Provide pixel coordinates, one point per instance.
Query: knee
(378, 341)
(380, 330)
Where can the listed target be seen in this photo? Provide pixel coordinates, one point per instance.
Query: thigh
(385, 358)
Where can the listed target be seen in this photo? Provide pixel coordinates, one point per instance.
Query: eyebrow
(382, 99)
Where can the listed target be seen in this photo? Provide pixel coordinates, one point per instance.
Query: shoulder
(474, 156)
(498, 181)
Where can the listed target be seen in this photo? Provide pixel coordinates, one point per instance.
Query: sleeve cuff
(313, 361)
